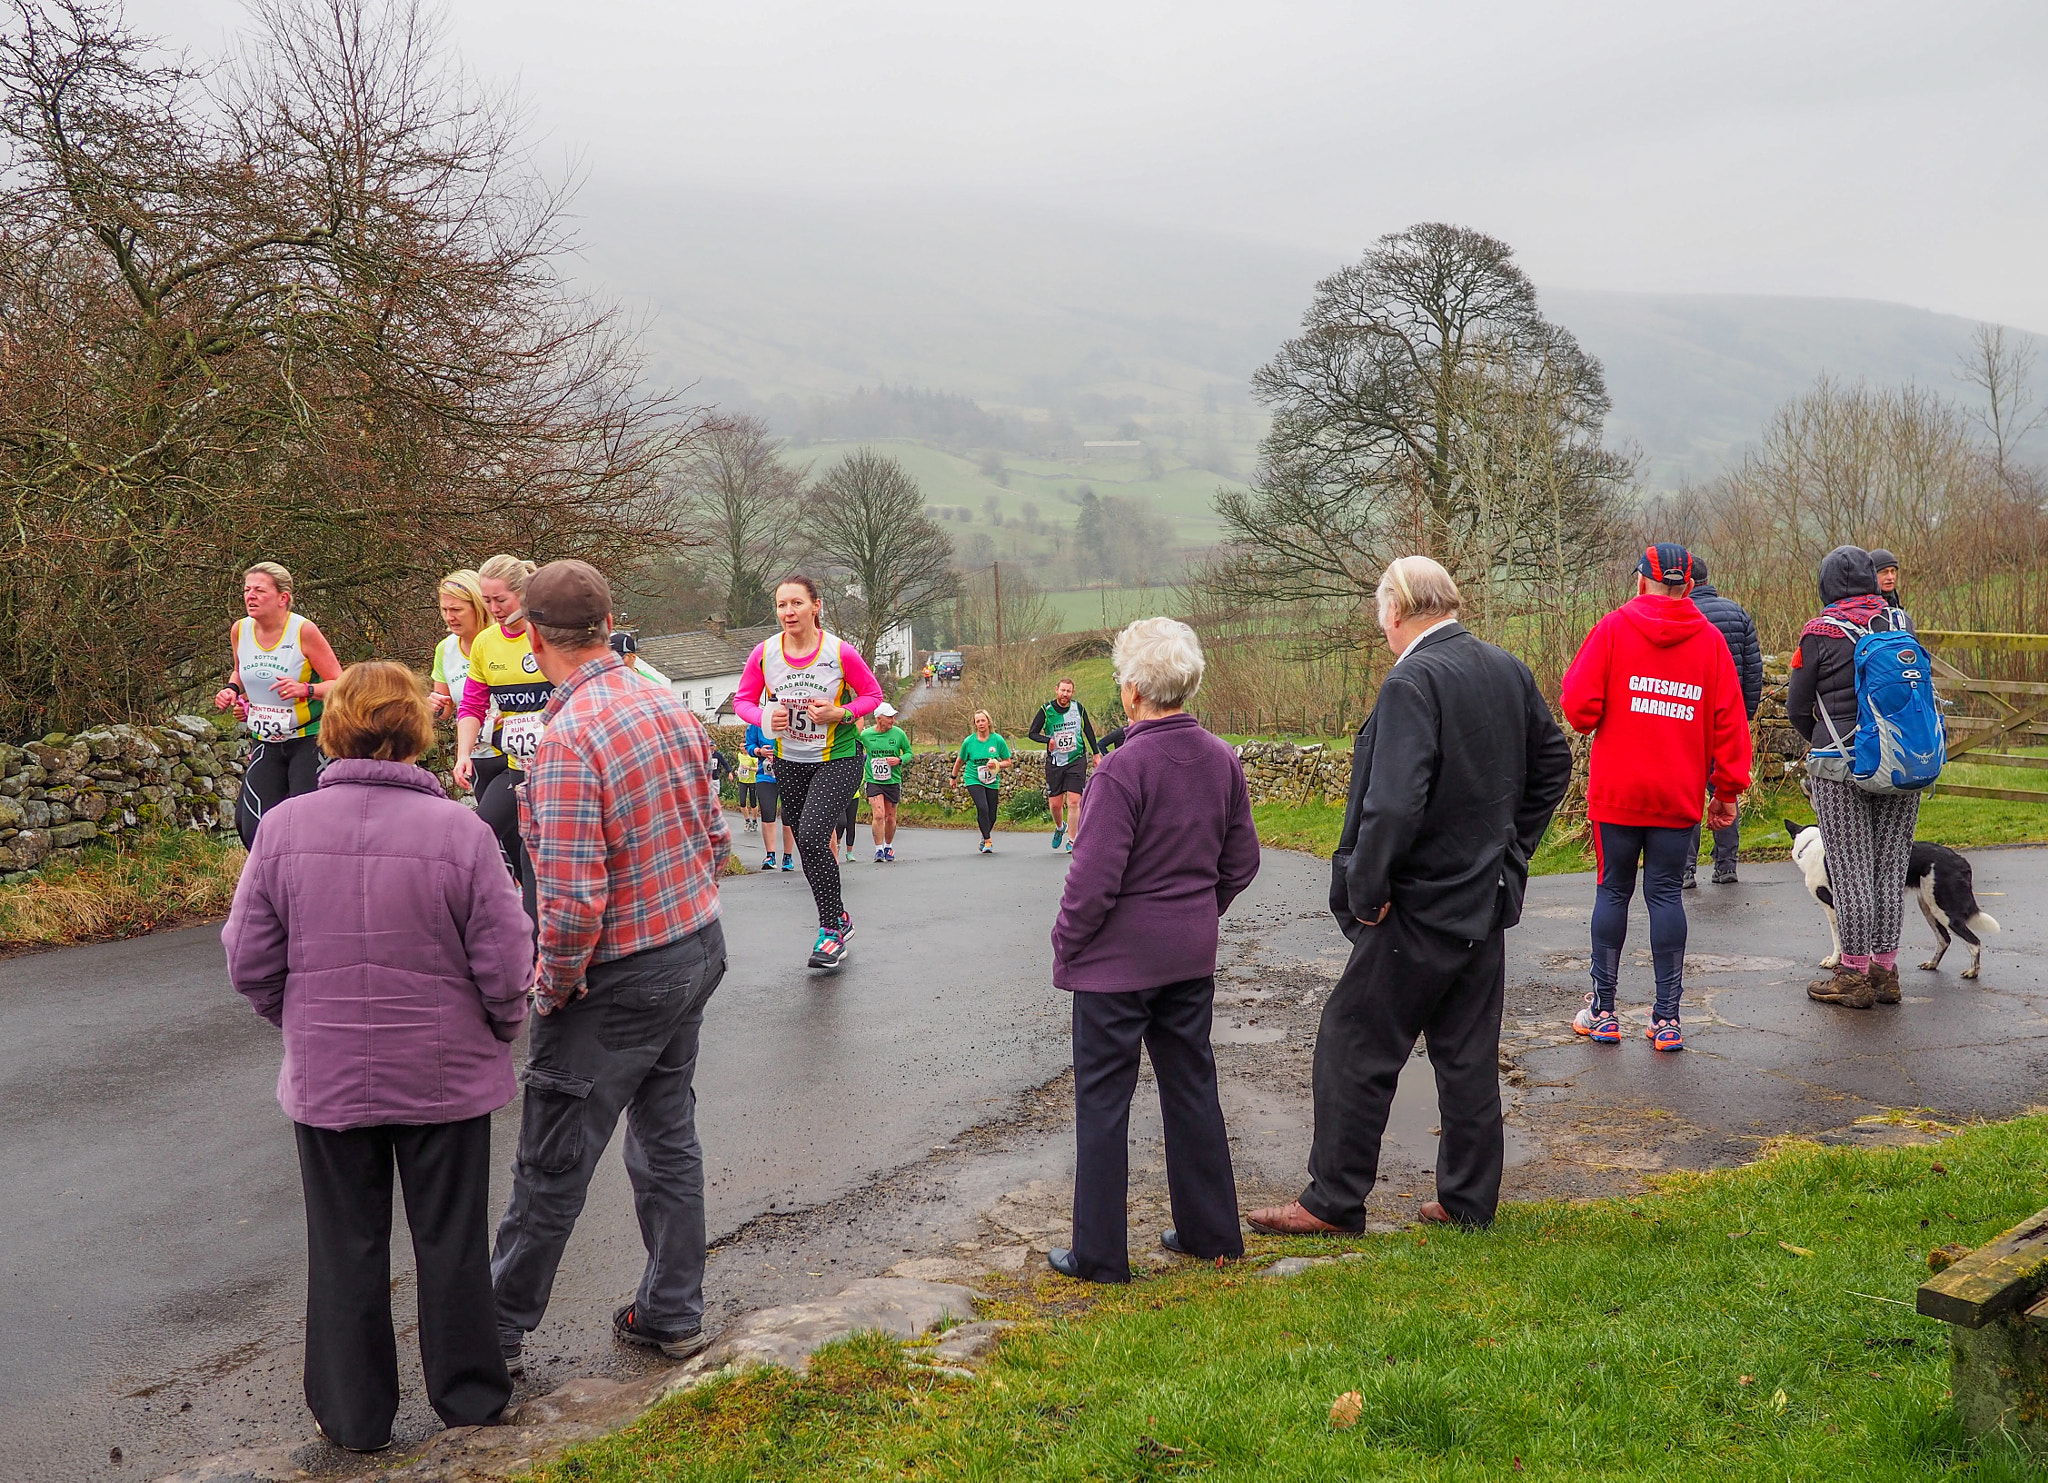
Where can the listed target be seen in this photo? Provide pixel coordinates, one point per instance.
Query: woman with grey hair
(1169, 845)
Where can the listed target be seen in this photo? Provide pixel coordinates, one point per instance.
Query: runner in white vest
(283, 666)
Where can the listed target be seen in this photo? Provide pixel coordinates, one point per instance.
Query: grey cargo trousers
(628, 1045)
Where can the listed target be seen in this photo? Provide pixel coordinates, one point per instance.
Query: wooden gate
(2000, 713)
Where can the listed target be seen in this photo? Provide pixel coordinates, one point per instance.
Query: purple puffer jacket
(377, 925)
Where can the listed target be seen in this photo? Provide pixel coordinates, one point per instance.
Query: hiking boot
(1846, 987)
(1884, 984)
(1690, 883)
(1725, 877)
(627, 1328)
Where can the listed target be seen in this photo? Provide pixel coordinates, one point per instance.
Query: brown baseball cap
(568, 594)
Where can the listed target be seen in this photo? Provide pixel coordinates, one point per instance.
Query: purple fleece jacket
(1168, 845)
(376, 924)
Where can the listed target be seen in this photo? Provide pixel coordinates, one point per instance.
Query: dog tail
(1982, 922)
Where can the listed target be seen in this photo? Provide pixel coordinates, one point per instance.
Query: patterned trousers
(1869, 838)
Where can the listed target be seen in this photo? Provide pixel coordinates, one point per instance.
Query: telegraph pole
(997, 568)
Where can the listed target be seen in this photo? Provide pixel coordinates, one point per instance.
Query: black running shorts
(891, 791)
(1069, 779)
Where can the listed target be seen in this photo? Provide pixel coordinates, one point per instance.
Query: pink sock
(1860, 962)
(1886, 960)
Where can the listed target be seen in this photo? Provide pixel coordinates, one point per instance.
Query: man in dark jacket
(1740, 631)
(1453, 781)
(1888, 586)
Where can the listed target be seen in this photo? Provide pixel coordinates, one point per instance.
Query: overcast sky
(1869, 148)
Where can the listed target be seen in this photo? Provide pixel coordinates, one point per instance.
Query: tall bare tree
(2001, 366)
(1427, 405)
(865, 516)
(301, 305)
(738, 495)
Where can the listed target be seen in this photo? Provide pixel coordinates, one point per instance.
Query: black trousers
(1406, 980)
(351, 1352)
(497, 804)
(984, 806)
(1172, 1023)
(277, 770)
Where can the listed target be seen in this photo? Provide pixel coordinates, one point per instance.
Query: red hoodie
(1655, 684)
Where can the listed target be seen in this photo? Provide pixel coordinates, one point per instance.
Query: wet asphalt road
(151, 1236)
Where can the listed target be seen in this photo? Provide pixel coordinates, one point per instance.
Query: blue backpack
(1900, 743)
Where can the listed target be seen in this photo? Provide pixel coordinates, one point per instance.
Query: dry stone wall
(60, 793)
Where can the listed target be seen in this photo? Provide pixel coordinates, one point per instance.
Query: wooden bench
(1995, 1301)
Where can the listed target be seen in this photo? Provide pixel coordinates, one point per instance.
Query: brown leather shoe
(1884, 984)
(1846, 987)
(1290, 1220)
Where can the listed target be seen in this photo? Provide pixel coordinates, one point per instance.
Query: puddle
(1244, 1032)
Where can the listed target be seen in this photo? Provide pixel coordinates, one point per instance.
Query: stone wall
(63, 791)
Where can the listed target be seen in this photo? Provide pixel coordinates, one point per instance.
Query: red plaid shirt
(620, 815)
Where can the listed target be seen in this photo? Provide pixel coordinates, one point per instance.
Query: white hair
(1161, 659)
(1416, 587)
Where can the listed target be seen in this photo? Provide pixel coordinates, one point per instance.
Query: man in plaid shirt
(620, 815)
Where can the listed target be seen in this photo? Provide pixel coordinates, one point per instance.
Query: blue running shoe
(1597, 1025)
(788, 862)
(1058, 835)
(769, 863)
(1664, 1035)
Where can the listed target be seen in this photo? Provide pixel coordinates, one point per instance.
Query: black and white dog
(1938, 877)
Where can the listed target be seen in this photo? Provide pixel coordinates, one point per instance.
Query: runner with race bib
(805, 688)
(981, 760)
(888, 751)
(498, 727)
(283, 666)
(1069, 736)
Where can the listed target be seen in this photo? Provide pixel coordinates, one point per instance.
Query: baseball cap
(1667, 562)
(1881, 558)
(885, 709)
(568, 594)
(624, 644)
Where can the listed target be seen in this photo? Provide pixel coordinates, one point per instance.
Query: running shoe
(1598, 1025)
(788, 862)
(1664, 1035)
(889, 853)
(1070, 844)
(750, 826)
(769, 863)
(987, 848)
(845, 925)
(830, 951)
(881, 855)
(1058, 835)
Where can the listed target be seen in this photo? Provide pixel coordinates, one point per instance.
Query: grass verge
(1752, 1323)
(1961, 823)
(141, 883)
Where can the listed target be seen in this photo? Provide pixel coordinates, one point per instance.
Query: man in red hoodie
(1655, 685)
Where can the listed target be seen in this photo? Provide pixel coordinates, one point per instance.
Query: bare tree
(300, 306)
(865, 515)
(2001, 367)
(1427, 405)
(738, 496)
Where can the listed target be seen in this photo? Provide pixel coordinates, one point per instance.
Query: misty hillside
(1095, 330)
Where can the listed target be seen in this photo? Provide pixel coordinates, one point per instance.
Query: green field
(1108, 607)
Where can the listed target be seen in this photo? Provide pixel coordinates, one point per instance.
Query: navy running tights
(1663, 854)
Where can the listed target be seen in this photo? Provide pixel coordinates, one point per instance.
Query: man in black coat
(1453, 781)
(1739, 629)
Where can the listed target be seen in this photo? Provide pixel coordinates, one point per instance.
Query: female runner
(813, 686)
(464, 613)
(283, 667)
(501, 707)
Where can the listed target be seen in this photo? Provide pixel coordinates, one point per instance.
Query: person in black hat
(1739, 629)
(1888, 586)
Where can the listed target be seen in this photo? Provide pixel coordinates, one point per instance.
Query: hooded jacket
(1824, 669)
(1656, 686)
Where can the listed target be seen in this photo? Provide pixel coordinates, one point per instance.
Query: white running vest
(273, 717)
(824, 678)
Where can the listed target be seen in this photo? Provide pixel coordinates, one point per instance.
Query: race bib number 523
(520, 735)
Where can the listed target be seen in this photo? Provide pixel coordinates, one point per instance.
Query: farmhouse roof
(693, 656)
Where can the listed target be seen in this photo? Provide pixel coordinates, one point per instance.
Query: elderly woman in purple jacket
(1169, 845)
(376, 926)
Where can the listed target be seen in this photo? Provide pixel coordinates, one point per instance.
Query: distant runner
(464, 614)
(888, 750)
(501, 709)
(815, 686)
(745, 770)
(1069, 736)
(283, 666)
(982, 758)
(761, 747)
